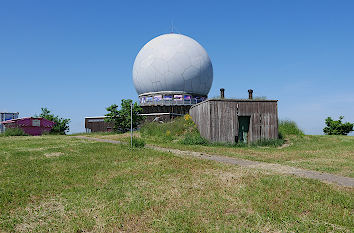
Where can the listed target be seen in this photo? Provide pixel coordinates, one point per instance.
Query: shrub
(14, 132)
(193, 138)
(288, 127)
(337, 127)
(138, 142)
(61, 125)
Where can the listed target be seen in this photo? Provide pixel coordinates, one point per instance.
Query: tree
(121, 117)
(61, 124)
(337, 127)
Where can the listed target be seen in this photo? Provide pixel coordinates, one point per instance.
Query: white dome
(173, 63)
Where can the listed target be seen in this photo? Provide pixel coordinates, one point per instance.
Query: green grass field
(332, 154)
(64, 184)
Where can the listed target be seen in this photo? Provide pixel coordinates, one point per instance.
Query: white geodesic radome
(173, 63)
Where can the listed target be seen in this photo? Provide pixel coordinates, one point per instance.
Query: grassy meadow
(65, 184)
(325, 153)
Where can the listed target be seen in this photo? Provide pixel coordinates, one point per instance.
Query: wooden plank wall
(224, 124)
(217, 120)
(201, 116)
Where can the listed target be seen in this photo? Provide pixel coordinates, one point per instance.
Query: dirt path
(283, 169)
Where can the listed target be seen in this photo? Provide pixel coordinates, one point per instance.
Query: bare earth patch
(40, 215)
(53, 154)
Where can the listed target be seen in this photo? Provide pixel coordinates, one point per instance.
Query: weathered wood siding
(201, 116)
(224, 122)
(217, 120)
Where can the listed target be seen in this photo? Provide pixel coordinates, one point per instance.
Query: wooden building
(236, 120)
(98, 124)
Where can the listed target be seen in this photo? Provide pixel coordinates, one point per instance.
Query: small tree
(337, 127)
(121, 117)
(61, 124)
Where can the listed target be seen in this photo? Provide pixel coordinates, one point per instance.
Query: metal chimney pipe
(250, 94)
(222, 93)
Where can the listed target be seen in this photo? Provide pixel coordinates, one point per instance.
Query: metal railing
(172, 102)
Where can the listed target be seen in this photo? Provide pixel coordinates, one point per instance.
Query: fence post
(131, 124)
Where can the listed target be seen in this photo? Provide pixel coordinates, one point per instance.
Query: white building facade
(4, 116)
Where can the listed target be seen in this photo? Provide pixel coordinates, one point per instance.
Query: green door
(243, 128)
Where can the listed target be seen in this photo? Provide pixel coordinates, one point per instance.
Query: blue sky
(76, 57)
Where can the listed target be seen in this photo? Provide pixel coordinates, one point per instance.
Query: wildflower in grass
(187, 117)
(189, 121)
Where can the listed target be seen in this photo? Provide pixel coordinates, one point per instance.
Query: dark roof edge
(242, 100)
(233, 100)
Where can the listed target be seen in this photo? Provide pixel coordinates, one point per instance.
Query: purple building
(34, 126)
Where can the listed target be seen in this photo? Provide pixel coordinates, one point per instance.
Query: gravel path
(283, 169)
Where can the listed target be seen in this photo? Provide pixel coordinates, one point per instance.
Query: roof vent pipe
(250, 94)
(222, 93)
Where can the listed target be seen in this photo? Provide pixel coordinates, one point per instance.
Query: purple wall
(31, 126)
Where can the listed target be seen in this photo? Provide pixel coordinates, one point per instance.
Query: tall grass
(13, 132)
(268, 142)
(193, 138)
(169, 131)
(288, 127)
(182, 129)
(138, 142)
(259, 143)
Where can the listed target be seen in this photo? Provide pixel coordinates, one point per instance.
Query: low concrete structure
(34, 126)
